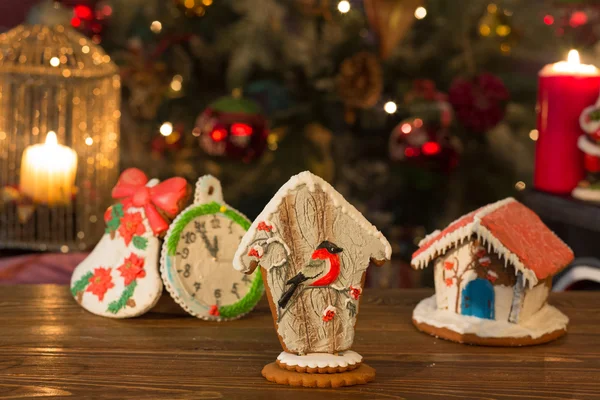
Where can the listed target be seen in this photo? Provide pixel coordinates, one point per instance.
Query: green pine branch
(117, 305)
(81, 284)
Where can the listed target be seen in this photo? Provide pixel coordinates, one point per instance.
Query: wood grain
(51, 347)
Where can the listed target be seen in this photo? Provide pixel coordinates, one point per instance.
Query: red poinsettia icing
(329, 313)
(132, 268)
(100, 282)
(449, 282)
(448, 265)
(130, 225)
(355, 292)
(214, 310)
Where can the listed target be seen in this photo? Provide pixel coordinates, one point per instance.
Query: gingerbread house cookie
(313, 249)
(493, 272)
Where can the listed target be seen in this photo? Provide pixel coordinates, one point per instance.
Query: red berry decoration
(479, 103)
(234, 128)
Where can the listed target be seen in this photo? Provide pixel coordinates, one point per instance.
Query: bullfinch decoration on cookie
(313, 248)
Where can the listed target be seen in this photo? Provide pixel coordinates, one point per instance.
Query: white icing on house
(465, 232)
(311, 181)
(429, 237)
(547, 319)
(534, 300)
(320, 360)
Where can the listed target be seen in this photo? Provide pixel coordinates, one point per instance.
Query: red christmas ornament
(234, 128)
(415, 142)
(479, 103)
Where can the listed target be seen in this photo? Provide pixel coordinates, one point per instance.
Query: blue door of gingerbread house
(478, 299)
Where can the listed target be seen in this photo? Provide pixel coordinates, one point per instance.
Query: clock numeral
(197, 287)
(234, 290)
(217, 296)
(231, 227)
(190, 237)
(246, 279)
(184, 253)
(215, 223)
(186, 270)
(200, 227)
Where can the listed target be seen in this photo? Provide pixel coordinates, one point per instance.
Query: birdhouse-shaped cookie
(120, 277)
(313, 249)
(493, 271)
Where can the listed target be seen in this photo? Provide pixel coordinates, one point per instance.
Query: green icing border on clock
(247, 303)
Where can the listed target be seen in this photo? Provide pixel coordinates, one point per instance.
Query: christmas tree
(417, 111)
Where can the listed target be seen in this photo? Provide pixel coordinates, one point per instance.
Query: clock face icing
(197, 266)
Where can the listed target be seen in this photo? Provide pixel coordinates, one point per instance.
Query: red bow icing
(132, 191)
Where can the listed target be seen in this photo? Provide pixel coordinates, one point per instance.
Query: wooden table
(49, 346)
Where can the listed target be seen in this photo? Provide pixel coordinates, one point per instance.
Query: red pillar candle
(565, 89)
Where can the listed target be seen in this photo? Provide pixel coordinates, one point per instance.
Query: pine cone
(360, 81)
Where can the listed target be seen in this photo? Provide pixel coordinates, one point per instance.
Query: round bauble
(234, 128)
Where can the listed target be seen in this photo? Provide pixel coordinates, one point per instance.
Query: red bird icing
(334, 269)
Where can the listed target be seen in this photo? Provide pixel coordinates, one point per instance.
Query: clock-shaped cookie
(197, 258)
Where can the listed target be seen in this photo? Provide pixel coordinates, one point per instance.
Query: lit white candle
(48, 172)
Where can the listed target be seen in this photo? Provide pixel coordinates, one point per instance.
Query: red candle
(565, 89)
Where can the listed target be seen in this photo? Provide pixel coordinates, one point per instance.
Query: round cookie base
(317, 370)
(359, 376)
(470, 338)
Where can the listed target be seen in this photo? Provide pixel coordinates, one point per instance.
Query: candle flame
(573, 57)
(51, 138)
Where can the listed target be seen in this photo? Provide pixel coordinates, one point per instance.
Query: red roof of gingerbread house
(512, 230)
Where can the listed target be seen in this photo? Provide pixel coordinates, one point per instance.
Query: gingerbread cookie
(120, 278)
(493, 270)
(363, 374)
(313, 248)
(197, 253)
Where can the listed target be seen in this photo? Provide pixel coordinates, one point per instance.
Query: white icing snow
(493, 274)
(428, 237)
(588, 147)
(311, 181)
(534, 300)
(547, 319)
(461, 234)
(278, 240)
(320, 360)
(329, 308)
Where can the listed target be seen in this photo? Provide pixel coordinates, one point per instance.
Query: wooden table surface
(51, 347)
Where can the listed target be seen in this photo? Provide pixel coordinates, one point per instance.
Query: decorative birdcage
(59, 138)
